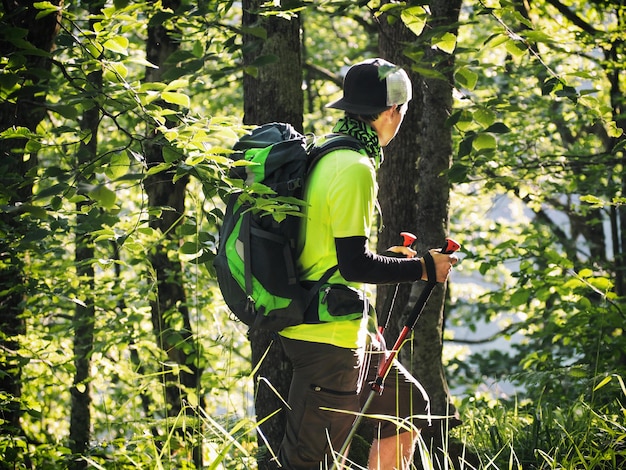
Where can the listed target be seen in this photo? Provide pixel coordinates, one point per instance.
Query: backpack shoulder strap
(333, 142)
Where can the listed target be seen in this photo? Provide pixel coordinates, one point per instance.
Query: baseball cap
(371, 86)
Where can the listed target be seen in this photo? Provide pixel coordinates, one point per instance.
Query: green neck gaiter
(363, 132)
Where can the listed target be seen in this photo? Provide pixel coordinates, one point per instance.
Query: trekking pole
(407, 240)
(450, 246)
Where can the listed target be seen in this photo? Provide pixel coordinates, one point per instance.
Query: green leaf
(593, 200)
(484, 141)
(66, 111)
(414, 18)
(252, 71)
(602, 383)
(190, 248)
(458, 173)
(465, 147)
(103, 234)
(176, 84)
(103, 196)
(117, 44)
(32, 146)
(45, 8)
(498, 128)
(447, 43)
(465, 120)
(119, 68)
(119, 165)
(550, 85)
(17, 132)
(484, 117)
(388, 7)
(258, 32)
(170, 155)
(428, 73)
(158, 168)
(516, 48)
(36, 234)
(142, 61)
(537, 36)
(569, 92)
(35, 211)
(496, 39)
(614, 131)
(180, 99)
(53, 190)
(519, 297)
(466, 78)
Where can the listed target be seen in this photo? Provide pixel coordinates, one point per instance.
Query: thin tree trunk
(83, 323)
(169, 308)
(84, 314)
(274, 94)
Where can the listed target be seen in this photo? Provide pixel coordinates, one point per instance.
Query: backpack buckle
(294, 184)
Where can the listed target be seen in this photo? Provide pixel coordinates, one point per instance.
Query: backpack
(256, 256)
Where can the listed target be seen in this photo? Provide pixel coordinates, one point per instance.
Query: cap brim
(354, 108)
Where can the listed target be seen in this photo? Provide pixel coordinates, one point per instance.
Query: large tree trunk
(274, 94)
(275, 91)
(433, 191)
(169, 308)
(414, 195)
(26, 110)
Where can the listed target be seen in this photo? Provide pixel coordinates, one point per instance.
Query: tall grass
(502, 435)
(549, 435)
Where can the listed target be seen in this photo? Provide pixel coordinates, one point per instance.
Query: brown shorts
(325, 383)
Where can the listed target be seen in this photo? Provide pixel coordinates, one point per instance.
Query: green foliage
(537, 129)
(128, 384)
(581, 433)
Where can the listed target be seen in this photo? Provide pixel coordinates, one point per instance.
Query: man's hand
(405, 251)
(443, 265)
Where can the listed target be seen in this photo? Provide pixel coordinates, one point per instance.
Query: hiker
(328, 357)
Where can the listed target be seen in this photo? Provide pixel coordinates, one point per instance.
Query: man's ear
(388, 113)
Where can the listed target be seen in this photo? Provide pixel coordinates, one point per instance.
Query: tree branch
(323, 73)
(573, 17)
(488, 339)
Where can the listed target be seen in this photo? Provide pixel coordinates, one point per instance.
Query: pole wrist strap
(431, 273)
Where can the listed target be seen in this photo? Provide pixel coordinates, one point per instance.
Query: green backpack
(256, 256)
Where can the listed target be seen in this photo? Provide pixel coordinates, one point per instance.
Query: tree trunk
(274, 93)
(414, 195)
(84, 315)
(170, 314)
(398, 175)
(16, 188)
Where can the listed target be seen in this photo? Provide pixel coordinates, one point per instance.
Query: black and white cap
(372, 86)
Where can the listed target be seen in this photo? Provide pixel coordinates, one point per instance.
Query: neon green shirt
(341, 196)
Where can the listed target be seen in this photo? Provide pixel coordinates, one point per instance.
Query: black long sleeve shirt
(358, 264)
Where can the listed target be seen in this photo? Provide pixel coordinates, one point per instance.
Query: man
(328, 354)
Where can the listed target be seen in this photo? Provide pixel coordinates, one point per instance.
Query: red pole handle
(408, 238)
(450, 246)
